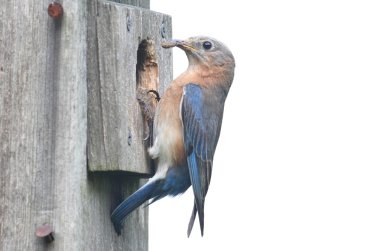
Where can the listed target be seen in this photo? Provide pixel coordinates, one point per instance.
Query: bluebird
(186, 129)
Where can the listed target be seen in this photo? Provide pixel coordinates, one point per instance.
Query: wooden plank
(116, 125)
(138, 3)
(44, 69)
(42, 123)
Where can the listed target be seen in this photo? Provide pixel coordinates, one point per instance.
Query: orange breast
(169, 126)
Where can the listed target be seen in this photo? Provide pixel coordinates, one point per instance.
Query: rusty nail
(45, 231)
(55, 10)
(129, 23)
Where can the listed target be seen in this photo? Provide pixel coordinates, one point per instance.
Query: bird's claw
(146, 137)
(155, 93)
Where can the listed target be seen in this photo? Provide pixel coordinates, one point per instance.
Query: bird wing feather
(201, 113)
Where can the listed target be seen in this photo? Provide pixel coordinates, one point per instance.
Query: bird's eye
(207, 45)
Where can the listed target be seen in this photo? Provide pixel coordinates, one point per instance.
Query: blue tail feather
(145, 193)
(176, 182)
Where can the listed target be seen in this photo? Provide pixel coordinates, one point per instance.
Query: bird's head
(204, 51)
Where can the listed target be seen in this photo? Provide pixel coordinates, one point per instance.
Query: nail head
(55, 10)
(46, 232)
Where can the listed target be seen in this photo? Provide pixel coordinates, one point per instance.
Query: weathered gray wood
(43, 125)
(116, 124)
(44, 69)
(138, 3)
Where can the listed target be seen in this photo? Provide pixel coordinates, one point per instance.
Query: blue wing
(202, 113)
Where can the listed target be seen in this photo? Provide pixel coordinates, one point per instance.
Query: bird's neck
(210, 75)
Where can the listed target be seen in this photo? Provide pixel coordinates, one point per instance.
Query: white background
(297, 166)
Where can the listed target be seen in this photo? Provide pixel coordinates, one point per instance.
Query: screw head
(129, 138)
(163, 30)
(129, 23)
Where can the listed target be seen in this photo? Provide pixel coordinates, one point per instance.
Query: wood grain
(116, 125)
(46, 112)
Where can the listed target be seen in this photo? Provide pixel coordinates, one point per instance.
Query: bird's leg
(148, 102)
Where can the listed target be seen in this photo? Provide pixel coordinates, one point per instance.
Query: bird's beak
(184, 45)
